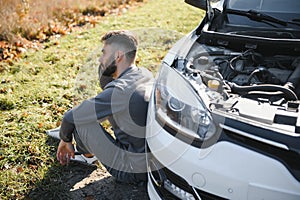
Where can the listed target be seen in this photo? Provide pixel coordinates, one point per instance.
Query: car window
(244, 4)
(286, 6)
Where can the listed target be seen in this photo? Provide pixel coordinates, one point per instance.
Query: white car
(223, 119)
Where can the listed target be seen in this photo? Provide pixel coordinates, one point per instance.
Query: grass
(36, 90)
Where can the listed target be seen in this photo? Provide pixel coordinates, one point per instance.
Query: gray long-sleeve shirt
(124, 102)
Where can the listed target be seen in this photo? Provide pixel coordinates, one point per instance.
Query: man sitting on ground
(124, 103)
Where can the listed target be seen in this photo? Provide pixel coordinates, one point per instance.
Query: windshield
(282, 6)
(261, 18)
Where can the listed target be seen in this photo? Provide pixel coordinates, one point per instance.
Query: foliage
(33, 18)
(26, 23)
(37, 89)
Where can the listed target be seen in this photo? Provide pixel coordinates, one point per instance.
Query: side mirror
(202, 4)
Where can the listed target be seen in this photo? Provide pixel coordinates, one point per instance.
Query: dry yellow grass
(35, 19)
(26, 23)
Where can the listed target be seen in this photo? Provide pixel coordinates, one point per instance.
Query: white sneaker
(78, 157)
(85, 160)
(54, 133)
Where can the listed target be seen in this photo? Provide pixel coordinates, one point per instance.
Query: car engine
(249, 74)
(265, 88)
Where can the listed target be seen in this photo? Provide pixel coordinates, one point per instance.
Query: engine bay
(249, 74)
(247, 84)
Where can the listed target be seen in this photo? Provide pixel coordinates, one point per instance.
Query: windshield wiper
(257, 16)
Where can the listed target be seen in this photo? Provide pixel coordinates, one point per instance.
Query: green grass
(36, 90)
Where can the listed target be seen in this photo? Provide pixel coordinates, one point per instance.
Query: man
(124, 103)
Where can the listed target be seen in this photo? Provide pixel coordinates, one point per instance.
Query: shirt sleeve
(88, 111)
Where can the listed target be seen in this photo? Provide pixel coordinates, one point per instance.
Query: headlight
(179, 108)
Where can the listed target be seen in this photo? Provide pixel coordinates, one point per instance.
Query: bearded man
(124, 102)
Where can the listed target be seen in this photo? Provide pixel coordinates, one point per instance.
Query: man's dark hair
(123, 39)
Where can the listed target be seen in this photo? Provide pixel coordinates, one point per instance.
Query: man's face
(107, 61)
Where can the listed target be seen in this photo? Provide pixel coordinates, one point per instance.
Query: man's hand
(65, 151)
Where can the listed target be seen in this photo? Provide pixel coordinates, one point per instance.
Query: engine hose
(288, 93)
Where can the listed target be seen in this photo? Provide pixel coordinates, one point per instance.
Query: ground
(86, 182)
(97, 183)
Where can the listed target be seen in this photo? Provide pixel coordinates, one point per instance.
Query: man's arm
(67, 127)
(88, 111)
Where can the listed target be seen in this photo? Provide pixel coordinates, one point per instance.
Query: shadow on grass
(79, 181)
(59, 181)
(108, 188)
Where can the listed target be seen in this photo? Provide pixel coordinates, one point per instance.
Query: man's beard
(105, 77)
(110, 69)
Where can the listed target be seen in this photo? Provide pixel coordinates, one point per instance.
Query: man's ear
(119, 55)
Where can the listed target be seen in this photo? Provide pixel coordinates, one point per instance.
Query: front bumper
(223, 171)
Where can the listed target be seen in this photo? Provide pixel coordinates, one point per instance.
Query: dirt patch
(99, 184)
(83, 182)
